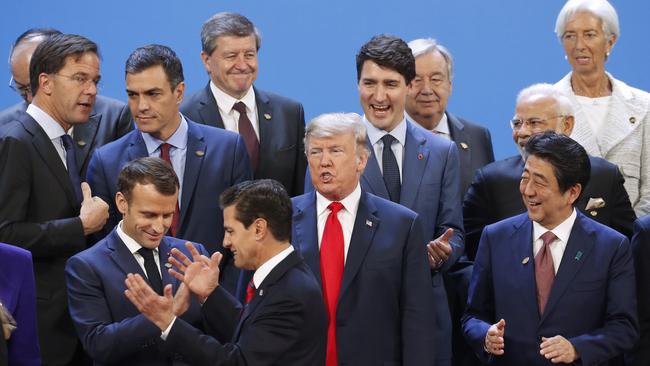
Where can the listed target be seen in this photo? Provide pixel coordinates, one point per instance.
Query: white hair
(563, 104)
(602, 9)
(334, 124)
(422, 46)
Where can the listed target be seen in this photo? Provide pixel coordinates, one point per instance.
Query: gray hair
(422, 46)
(600, 8)
(334, 124)
(563, 104)
(227, 24)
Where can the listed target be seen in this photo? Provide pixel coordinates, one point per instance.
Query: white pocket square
(595, 203)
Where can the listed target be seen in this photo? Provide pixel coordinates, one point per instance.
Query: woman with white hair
(612, 118)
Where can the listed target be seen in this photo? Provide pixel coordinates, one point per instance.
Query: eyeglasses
(82, 80)
(21, 89)
(533, 124)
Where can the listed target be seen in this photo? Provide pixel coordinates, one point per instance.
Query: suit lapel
(364, 229)
(523, 268)
(84, 136)
(372, 177)
(264, 120)
(137, 148)
(306, 232)
(164, 251)
(121, 255)
(193, 162)
(459, 137)
(416, 156)
(209, 111)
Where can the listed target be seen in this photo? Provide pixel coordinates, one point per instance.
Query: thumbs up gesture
(94, 211)
(439, 250)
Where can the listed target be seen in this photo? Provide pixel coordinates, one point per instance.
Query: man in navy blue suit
(641, 248)
(207, 160)
(552, 285)
(411, 166)
(273, 126)
(112, 331)
(367, 253)
(284, 321)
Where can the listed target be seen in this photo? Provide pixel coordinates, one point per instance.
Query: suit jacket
(284, 324)
(641, 248)
(622, 140)
(18, 296)
(431, 188)
(384, 312)
(39, 212)
(111, 329)
(494, 195)
(216, 160)
(109, 120)
(281, 130)
(474, 145)
(592, 301)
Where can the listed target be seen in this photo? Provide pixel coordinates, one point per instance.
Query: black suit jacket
(39, 212)
(284, 324)
(282, 130)
(494, 195)
(109, 120)
(641, 248)
(474, 145)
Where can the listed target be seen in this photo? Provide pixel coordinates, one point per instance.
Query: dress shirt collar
(350, 203)
(130, 243)
(225, 102)
(177, 140)
(266, 268)
(443, 126)
(51, 127)
(375, 134)
(562, 231)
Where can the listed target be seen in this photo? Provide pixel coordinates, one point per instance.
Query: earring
(607, 53)
(566, 58)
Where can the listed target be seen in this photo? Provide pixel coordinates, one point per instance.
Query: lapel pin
(267, 116)
(578, 255)
(632, 120)
(526, 260)
(464, 145)
(420, 156)
(261, 292)
(81, 143)
(199, 153)
(369, 223)
(593, 213)
(168, 265)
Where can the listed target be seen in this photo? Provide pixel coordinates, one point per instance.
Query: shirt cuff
(165, 333)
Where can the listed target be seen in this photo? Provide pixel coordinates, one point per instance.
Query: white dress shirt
(375, 135)
(133, 247)
(229, 116)
(52, 128)
(557, 247)
(346, 216)
(266, 268)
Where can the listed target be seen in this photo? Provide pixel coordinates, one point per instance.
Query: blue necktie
(390, 169)
(73, 168)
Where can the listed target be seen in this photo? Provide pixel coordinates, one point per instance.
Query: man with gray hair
(494, 193)
(271, 125)
(366, 253)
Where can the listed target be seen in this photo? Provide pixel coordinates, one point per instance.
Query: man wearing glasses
(109, 120)
(494, 193)
(45, 209)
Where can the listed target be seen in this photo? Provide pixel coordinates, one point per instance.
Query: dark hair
(156, 55)
(388, 51)
(227, 24)
(30, 34)
(50, 55)
(568, 158)
(264, 198)
(148, 170)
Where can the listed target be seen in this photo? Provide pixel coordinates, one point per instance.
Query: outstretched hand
(200, 274)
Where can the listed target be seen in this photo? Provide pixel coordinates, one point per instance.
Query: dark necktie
(544, 271)
(73, 168)
(152, 270)
(390, 169)
(247, 132)
(250, 291)
(164, 154)
(331, 269)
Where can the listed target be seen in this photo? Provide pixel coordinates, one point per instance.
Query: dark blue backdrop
(308, 47)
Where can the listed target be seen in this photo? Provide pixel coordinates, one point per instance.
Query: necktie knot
(250, 291)
(335, 207)
(548, 237)
(150, 267)
(146, 253)
(67, 142)
(164, 152)
(388, 139)
(239, 107)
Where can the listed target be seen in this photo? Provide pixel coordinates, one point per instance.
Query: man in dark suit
(272, 126)
(44, 207)
(207, 160)
(284, 321)
(366, 252)
(641, 248)
(552, 284)
(418, 170)
(111, 329)
(493, 194)
(109, 120)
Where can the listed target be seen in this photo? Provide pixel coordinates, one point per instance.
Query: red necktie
(544, 271)
(331, 269)
(247, 132)
(250, 291)
(164, 154)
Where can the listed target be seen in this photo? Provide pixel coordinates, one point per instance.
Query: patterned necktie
(390, 169)
(164, 154)
(544, 271)
(250, 291)
(152, 269)
(331, 269)
(247, 132)
(73, 168)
